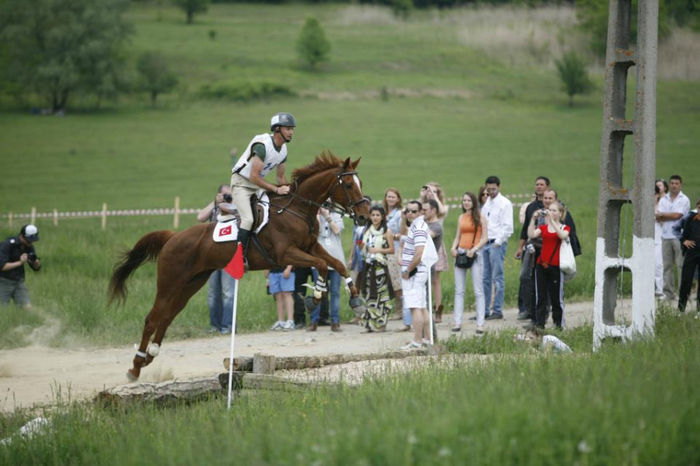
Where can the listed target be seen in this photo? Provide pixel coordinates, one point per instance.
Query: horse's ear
(356, 163)
(346, 164)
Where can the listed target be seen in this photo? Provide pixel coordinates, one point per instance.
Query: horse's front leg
(319, 251)
(298, 258)
(357, 304)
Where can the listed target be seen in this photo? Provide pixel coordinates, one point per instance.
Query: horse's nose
(361, 220)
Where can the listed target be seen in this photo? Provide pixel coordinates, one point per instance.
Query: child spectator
(281, 283)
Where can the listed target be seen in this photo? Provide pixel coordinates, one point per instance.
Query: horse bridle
(332, 206)
(348, 209)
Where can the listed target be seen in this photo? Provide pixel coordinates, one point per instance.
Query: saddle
(228, 220)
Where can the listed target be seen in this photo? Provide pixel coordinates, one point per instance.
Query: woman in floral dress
(374, 280)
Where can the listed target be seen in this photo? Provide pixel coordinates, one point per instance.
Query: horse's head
(348, 193)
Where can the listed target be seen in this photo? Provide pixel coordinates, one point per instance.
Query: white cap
(30, 232)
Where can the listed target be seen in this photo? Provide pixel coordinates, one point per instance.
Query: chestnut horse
(186, 259)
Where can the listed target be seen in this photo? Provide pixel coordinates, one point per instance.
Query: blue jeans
(220, 299)
(334, 292)
(494, 259)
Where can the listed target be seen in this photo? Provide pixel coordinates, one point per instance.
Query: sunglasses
(412, 211)
(423, 188)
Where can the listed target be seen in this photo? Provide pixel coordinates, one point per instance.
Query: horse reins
(333, 207)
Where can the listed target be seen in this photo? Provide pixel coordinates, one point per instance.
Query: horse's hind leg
(158, 321)
(142, 358)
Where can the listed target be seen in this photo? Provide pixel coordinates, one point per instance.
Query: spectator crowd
(385, 260)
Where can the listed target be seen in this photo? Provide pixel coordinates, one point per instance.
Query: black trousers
(549, 290)
(691, 263)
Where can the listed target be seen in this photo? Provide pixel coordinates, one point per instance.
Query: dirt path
(36, 374)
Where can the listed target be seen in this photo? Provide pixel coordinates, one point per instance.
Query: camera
(31, 256)
(227, 198)
(543, 212)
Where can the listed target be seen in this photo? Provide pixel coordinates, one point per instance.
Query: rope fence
(175, 212)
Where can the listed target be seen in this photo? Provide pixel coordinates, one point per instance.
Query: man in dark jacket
(690, 241)
(15, 251)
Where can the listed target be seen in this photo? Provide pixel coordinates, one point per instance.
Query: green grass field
(510, 121)
(631, 404)
(457, 111)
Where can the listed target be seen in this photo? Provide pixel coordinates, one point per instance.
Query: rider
(264, 152)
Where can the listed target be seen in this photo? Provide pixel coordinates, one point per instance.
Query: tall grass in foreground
(627, 404)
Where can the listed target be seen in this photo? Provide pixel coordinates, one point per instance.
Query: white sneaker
(279, 325)
(289, 325)
(411, 346)
(426, 342)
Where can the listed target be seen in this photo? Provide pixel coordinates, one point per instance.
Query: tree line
(57, 48)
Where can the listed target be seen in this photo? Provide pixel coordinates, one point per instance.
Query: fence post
(33, 215)
(9, 219)
(104, 216)
(55, 217)
(176, 215)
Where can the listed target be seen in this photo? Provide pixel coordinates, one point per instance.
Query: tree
(312, 45)
(593, 18)
(190, 7)
(156, 78)
(57, 47)
(573, 75)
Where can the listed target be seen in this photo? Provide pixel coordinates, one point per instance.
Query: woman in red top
(549, 279)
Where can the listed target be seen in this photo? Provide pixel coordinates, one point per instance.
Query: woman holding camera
(472, 235)
(432, 190)
(548, 277)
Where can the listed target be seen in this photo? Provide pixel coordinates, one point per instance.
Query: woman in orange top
(472, 235)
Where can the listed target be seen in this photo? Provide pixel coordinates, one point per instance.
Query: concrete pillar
(614, 192)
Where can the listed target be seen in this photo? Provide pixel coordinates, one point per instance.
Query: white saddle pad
(226, 228)
(225, 231)
(264, 201)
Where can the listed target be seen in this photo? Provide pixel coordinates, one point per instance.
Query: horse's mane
(323, 161)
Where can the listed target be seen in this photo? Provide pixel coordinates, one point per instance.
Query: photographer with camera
(15, 251)
(548, 276)
(221, 284)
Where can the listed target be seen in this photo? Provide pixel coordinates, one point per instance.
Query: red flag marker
(235, 266)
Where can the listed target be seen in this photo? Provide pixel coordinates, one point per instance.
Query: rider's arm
(281, 175)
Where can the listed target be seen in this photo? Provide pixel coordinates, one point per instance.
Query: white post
(176, 215)
(55, 218)
(430, 301)
(104, 216)
(9, 219)
(33, 220)
(233, 337)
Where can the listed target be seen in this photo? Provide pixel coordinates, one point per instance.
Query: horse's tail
(147, 248)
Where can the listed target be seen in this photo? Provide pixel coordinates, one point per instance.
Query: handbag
(567, 261)
(463, 261)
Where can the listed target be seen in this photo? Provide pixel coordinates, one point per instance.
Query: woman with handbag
(548, 276)
(471, 236)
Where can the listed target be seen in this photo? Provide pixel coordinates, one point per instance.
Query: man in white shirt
(498, 211)
(414, 275)
(672, 208)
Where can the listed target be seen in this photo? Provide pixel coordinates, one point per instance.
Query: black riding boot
(243, 239)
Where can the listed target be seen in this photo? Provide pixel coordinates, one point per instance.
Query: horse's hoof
(309, 303)
(358, 305)
(131, 376)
